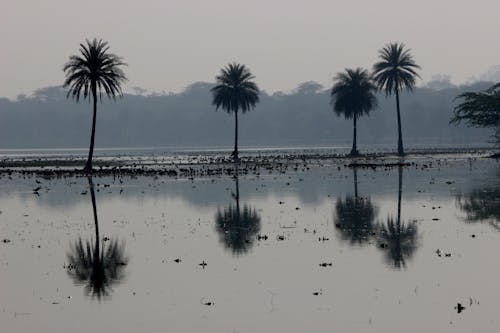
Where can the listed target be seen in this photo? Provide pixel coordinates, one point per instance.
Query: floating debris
(459, 308)
(318, 293)
(207, 303)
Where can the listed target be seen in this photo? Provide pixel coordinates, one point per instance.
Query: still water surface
(324, 248)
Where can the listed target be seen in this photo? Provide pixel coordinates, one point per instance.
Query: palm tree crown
(396, 69)
(95, 68)
(235, 91)
(353, 95)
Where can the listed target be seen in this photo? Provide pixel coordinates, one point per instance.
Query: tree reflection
(398, 240)
(95, 267)
(237, 228)
(355, 216)
(481, 205)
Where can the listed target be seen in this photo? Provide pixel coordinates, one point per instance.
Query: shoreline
(219, 165)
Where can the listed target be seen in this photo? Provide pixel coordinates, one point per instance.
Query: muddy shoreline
(218, 165)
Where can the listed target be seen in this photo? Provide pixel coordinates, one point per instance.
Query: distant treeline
(302, 117)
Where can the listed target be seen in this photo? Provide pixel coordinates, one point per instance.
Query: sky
(169, 44)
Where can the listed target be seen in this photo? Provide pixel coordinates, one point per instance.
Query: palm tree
(353, 95)
(354, 216)
(98, 268)
(400, 240)
(395, 71)
(94, 72)
(235, 91)
(237, 227)
(397, 239)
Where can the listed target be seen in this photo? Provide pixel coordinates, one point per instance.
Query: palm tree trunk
(400, 190)
(237, 196)
(355, 171)
(400, 136)
(354, 150)
(88, 166)
(94, 208)
(235, 152)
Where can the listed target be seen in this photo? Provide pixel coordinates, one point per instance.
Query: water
(174, 154)
(406, 245)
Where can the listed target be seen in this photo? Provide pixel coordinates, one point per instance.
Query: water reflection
(482, 205)
(398, 240)
(237, 228)
(355, 216)
(96, 267)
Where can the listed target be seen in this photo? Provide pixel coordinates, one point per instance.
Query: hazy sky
(169, 44)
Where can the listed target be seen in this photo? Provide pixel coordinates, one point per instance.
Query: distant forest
(46, 119)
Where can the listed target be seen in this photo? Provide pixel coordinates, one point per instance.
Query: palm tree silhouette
(397, 239)
(237, 227)
(94, 72)
(353, 95)
(97, 268)
(355, 216)
(395, 71)
(235, 91)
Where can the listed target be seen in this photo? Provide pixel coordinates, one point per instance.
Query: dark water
(324, 248)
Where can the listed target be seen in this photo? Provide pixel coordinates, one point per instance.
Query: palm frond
(97, 269)
(235, 89)
(354, 219)
(353, 93)
(396, 69)
(398, 240)
(95, 68)
(237, 228)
